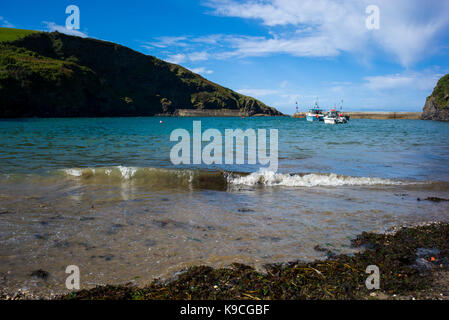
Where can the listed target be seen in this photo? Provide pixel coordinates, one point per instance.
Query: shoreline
(413, 263)
(215, 113)
(374, 115)
(229, 113)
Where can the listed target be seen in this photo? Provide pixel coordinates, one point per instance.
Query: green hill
(9, 34)
(55, 75)
(437, 104)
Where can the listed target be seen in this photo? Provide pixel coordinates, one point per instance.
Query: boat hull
(312, 118)
(330, 120)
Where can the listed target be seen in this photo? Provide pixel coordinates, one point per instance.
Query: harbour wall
(373, 115)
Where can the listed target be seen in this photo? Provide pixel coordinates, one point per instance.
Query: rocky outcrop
(432, 111)
(56, 75)
(437, 104)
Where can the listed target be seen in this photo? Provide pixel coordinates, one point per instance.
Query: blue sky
(279, 51)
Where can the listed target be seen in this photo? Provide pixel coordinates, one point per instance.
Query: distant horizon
(279, 52)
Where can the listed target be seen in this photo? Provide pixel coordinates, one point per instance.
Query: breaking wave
(269, 178)
(158, 177)
(223, 179)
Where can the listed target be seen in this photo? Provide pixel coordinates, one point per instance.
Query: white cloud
(408, 28)
(164, 42)
(425, 81)
(388, 81)
(177, 58)
(54, 27)
(220, 46)
(182, 42)
(5, 23)
(302, 47)
(202, 70)
(409, 31)
(198, 56)
(185, 57)
(209, 39)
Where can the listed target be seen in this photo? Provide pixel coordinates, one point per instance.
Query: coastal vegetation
(9, 34)
(412, 263)
(56, 75)
(437, 104)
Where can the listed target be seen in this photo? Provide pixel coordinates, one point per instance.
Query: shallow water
(102, 194)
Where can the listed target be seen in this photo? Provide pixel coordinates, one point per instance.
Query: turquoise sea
(102, 193)
(405, 149)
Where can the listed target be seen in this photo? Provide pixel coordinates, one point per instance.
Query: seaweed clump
(340, 277)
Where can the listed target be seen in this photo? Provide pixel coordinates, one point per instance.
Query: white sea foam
(73, 172)
(127, 172)
(269, 178)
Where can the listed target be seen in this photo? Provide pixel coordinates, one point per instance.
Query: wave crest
(269, 178)
(222, 179)
(150, 176)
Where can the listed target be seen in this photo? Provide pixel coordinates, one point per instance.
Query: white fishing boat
(333, 117)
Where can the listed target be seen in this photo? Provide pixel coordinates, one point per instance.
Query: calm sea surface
(103, 194)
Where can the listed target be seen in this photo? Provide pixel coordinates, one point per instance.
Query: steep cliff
(437, 104)
(55, 75)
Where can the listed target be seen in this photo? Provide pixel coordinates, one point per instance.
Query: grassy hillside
(52, 74)
(437, 104)
(9, 34)
(441, 92)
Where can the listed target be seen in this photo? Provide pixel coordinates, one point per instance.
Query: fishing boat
(333, 117)
(315, 114)
(342, 118)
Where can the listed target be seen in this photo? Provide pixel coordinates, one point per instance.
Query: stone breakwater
(215, 113)
(374, 115)
(209, 113)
